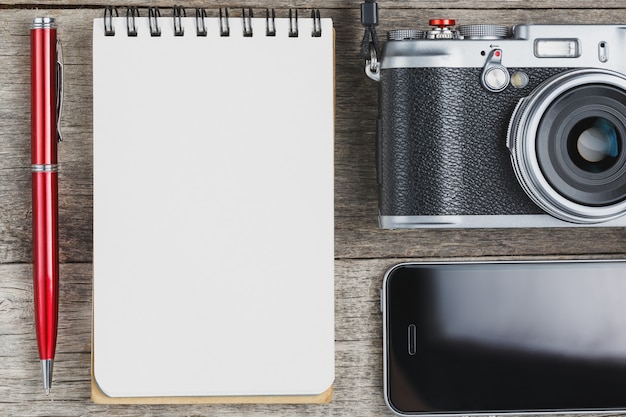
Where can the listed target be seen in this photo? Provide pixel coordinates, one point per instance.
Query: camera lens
(568, 145)
(593, 144)
(578, 141)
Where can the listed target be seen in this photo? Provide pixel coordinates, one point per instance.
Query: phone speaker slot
(412, 337)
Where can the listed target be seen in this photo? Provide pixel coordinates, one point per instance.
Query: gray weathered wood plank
(335, 4)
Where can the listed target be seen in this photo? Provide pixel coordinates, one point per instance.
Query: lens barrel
(568, 145)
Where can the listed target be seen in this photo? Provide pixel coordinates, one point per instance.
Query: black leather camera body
(488, 126)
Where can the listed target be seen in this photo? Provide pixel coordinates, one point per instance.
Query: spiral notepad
(213, 206)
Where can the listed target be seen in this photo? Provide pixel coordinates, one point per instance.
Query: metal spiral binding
(179, 13)
(153, 14)
(293, 23)
(109, 30)
(247, 22)
(270, 23)
(317, 23)
(131, 14)
(200, 24)
(224, 27)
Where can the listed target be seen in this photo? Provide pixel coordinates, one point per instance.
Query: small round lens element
(519, 79)
(596, 146)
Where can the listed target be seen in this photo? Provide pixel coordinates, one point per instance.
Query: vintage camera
(491, 126)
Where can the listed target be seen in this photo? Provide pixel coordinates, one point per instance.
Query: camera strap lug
(372, 66)
(369, 44)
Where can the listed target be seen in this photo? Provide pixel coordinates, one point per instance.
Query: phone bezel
(383, 294)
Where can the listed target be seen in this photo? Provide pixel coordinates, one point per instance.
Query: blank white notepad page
(213, 210)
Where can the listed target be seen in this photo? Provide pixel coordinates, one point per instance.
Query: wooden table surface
(363, 252)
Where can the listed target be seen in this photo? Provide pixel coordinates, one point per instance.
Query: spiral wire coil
(179, 12)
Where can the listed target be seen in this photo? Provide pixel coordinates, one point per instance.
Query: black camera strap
(369, 19)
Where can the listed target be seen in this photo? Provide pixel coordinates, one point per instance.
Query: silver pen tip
(46, 368)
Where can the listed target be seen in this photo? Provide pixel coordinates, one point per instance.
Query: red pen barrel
(45, 261)
(43, 43)
(44, 183)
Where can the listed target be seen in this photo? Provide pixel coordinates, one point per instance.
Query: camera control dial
(405, 34)
(495, 76)
(484, 31)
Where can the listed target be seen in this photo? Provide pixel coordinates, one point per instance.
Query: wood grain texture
(363, 252)
(335, 4)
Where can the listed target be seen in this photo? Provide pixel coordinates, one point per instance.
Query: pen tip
(46, 367)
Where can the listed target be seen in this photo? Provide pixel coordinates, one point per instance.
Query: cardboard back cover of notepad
(213, 211)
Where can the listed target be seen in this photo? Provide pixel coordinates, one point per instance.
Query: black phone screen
(505, 337)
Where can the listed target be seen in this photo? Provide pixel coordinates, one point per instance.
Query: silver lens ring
(522, 143)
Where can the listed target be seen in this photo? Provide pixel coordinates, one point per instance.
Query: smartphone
(505, 337)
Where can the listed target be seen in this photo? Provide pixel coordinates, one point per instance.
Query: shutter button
(442, 29)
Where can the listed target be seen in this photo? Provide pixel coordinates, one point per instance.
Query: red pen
(45, 106)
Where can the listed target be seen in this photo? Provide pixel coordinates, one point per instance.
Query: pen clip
(59, 89)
